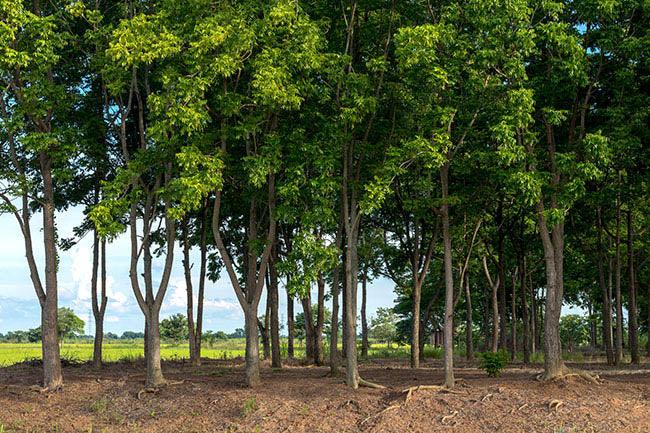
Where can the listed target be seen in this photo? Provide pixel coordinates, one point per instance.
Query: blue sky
(19, 307)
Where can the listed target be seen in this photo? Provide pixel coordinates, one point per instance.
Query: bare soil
(305, 399)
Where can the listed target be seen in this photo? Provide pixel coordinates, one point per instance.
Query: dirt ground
(305, 399)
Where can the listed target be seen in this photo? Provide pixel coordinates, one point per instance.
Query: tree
(574, 331)
(69, 324)
(174, 328)
(383, 326)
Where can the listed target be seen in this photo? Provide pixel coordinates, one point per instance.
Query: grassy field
(12, 353)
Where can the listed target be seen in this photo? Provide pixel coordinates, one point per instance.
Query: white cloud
(112, 319)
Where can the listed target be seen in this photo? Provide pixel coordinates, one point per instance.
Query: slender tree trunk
(513, 321)
(202, 277)
(99, 308)
(469, 337)
(290, 326)
(619, 300)
(320, 322)
(632, 313)
(276, 361)
(503, 324)
(335, 359)
(309, 328)
(266, 334)
(534, 317)
(495, 319)
(187, 270)
(52, 374)
(415, 325)
(364, 320)
(449, 280)
(524, 311)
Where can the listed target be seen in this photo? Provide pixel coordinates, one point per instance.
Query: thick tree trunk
(252, 346)
(276, 361)
(449, 280)
(469, 324)
(364, 320)
(154, 370)
(632, 313)
(52, 374)
(350, 331)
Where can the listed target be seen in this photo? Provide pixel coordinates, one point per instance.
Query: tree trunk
(266, 330)
(503, 324)
(290, 326)
(524, 309)
(533, 316)
(202, 277)
(309, 328)
(154, 370)
(415, 322)
(52, 374)
(320, 322)
(495, 318)
(513, 321)
(364, 320)
(449, 280)
(344, 343)
(276, 361)
(187, 270)
(252, 346)
(469, 337)
(99, 308)
(619, 300)
(632, 313)
(335, 360)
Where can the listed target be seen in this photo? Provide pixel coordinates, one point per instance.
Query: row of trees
(461, 149)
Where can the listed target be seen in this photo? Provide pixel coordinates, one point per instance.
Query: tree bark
(524, 305)
(632, 313)
(619, 299)
(276, 361)
(449, 280)
(154, 370)
(335, 359)
(52, 374)
(513, 321)
(252, 346)
(469, 337)
(99, 308)
(187, 270)
(290, 326)
(503, 325)
(364, 320)
(309, 328)
(266, 330)
(320, 322)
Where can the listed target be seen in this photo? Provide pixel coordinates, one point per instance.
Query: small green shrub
(250, 406)
(493, 363)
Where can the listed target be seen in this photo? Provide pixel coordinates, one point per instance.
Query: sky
(19, 308)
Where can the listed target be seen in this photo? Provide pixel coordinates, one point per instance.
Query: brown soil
(305, 399)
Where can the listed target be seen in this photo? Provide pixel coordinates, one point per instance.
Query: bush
(493, 363)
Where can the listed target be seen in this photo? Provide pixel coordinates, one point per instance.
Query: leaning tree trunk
(52, 375)
(449, 281)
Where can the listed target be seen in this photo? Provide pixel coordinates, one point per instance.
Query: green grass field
(13, 353)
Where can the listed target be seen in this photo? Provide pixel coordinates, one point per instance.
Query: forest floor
(305, 399)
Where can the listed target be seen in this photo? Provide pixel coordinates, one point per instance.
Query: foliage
(174, 328)
(494, 362)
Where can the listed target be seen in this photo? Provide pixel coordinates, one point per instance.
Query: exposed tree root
(363, 382)
(554, 405)
(409, 391)
(448, 417)
(571, 372)
(395, 406)
(44, 390)
(149, 390)
(487, 397)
